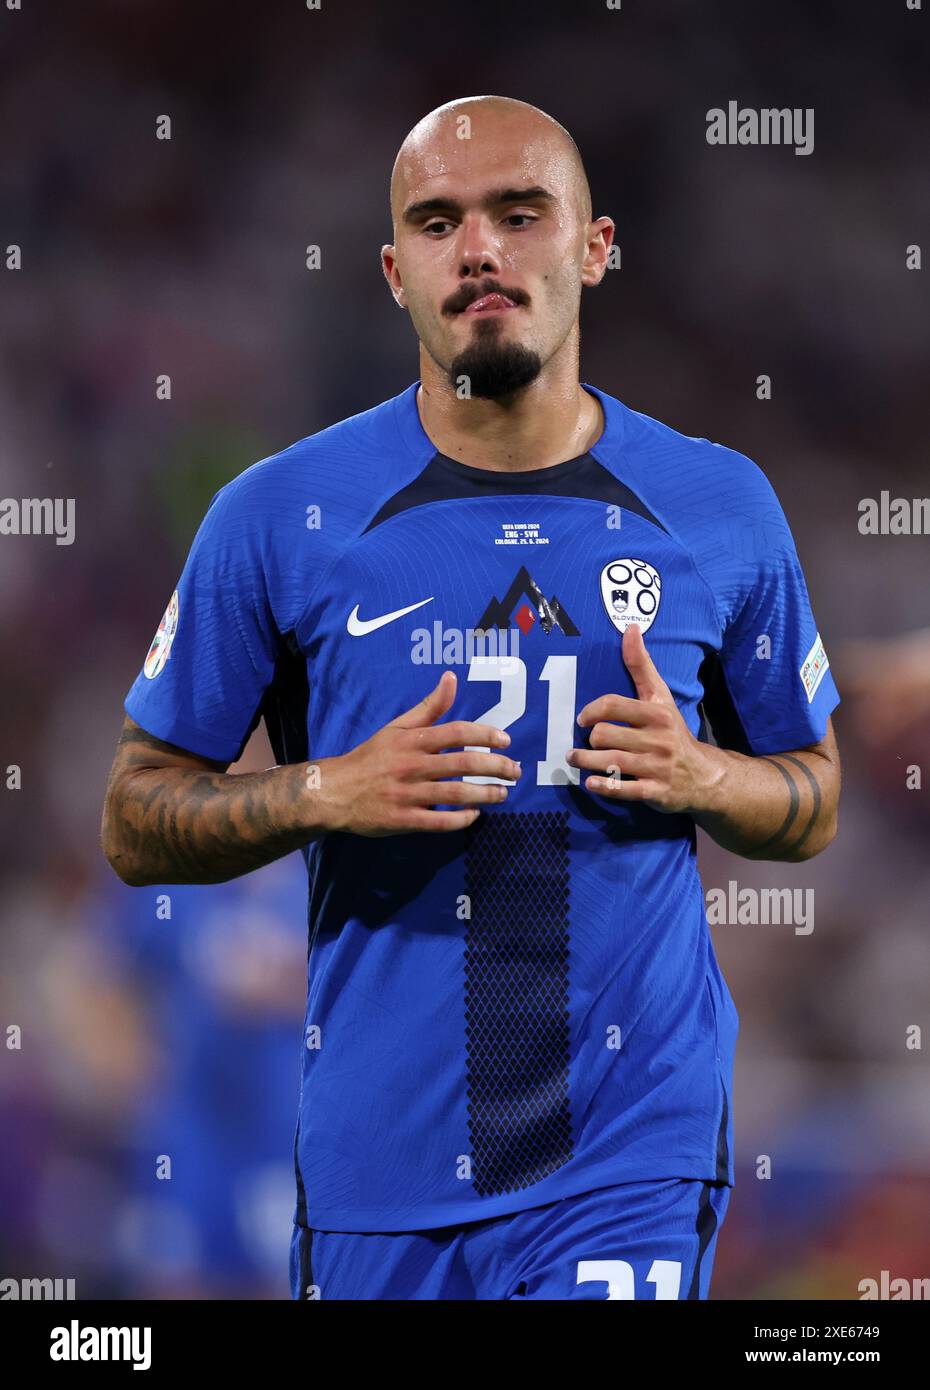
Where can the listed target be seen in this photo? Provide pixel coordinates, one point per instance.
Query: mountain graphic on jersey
(548, 612)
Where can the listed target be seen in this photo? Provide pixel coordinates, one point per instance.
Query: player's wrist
(709, 781)
(322, 805)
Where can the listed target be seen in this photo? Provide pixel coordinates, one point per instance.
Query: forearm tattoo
(779, 840)
(179, 824)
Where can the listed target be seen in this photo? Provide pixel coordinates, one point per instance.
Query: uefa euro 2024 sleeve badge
(161, 643)
(631, 590)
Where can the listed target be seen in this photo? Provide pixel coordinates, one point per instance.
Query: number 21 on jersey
(560, 674)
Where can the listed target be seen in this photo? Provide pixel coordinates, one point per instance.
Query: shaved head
(430, 146)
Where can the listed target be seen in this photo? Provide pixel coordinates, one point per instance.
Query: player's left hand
(650, 742)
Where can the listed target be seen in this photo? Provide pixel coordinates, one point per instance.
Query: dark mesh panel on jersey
(516, 998)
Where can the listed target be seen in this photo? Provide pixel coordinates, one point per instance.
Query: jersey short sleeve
(774, 667)
(214, 654)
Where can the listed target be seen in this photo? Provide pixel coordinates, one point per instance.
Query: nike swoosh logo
(358, 627)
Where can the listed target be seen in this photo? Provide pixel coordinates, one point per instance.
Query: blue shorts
(644, 1240)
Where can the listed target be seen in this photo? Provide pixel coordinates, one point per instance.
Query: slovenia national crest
(631, 590)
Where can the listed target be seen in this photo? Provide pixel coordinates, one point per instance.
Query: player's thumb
(432, 707)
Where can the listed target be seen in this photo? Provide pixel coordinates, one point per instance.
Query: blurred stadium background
(144, 1036)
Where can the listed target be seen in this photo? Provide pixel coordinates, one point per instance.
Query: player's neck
(547, 423)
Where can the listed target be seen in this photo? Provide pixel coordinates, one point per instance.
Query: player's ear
(392, 275)
(600, 236)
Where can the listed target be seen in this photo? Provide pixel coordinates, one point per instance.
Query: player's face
(489, 253)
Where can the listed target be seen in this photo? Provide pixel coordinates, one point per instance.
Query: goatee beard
(494, 369)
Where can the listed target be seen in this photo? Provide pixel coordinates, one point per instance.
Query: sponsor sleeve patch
(814, 668)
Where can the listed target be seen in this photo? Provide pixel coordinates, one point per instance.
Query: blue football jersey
(531, 1008)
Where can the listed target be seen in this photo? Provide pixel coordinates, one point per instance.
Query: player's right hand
(390, 784)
